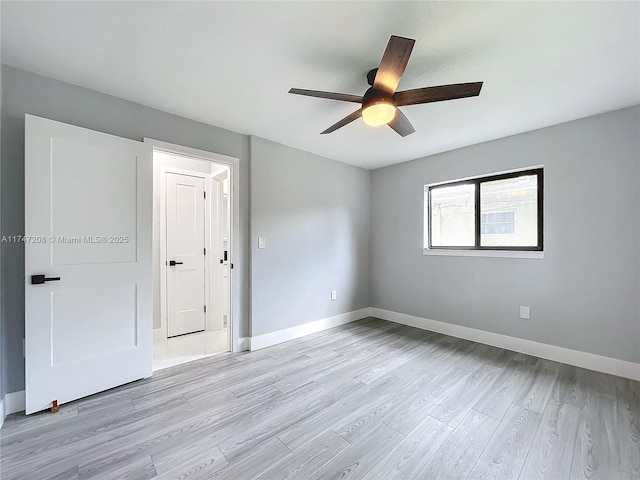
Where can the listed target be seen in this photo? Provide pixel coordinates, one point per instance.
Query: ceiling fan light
(380, 112)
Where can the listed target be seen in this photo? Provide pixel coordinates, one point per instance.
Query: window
(497, 212)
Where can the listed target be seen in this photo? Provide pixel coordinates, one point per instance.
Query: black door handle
(40, 279)
(173, 263)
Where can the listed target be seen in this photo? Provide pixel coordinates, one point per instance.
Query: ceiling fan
(381, 101)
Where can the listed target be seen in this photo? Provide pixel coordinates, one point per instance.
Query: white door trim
(164, 324)
(234, 167)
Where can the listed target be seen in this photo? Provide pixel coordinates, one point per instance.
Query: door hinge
(205, 309)
(205, 251)
(205, 194)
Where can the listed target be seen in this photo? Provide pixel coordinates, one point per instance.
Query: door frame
(164, 317)
(234, 208)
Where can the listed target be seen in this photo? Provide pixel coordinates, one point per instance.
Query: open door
(221, 237)
(88, 310)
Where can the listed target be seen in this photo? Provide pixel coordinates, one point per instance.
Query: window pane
(509, 212)
(452, 216)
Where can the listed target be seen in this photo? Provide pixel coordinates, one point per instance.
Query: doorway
(192, 256)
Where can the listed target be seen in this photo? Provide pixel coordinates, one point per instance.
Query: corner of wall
(371, 239)
(244, 343)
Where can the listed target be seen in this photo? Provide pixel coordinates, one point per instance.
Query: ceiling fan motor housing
(378, 107)
(373, 96)
(371, 76)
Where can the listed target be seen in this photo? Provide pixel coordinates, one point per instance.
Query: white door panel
(185, 246)
(112, 307)
(106, 186)
(88, 221)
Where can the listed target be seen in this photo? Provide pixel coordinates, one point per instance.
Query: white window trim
(482, 175)
(482, 253)
(475, 253)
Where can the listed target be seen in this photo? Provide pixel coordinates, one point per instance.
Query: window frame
(477, 181)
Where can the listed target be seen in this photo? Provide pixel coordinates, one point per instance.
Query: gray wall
(28, 93)
(315, 216)
(583, 295)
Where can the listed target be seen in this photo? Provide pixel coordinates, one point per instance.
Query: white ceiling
(231, 64)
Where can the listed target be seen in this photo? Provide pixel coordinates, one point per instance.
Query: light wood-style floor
(369, 400)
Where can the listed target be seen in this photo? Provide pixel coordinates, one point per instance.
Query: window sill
(483, 253)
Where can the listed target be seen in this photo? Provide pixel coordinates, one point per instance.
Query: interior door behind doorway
(185, 262)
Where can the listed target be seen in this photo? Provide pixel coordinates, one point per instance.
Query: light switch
(261, 242)
(525, 313)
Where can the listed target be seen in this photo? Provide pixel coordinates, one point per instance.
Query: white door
(185, 254)
(88, 310)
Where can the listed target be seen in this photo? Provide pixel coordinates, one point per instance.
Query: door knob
(173, 263)
(40, 279)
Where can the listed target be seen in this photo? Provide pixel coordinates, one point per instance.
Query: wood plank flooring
(369, 400)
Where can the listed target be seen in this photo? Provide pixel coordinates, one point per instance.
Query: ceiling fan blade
(437, 94)
(345, 97)
(346, 120)
(393, 63)
(401, 124)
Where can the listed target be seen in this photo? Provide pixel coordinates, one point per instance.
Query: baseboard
(14, 403)
(590, 361)
(158, 335)
(273, 338)
(244, 344)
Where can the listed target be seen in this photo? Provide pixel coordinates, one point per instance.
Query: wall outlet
(261, 242)
(525, 312)
(333, 295)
